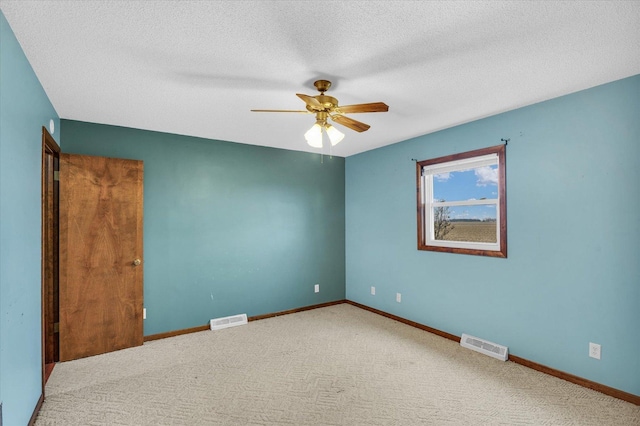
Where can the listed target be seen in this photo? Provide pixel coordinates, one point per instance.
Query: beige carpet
(338, 365)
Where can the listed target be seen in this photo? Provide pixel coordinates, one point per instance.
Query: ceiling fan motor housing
(327, 102)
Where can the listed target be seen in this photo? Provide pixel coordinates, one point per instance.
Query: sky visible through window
(472, 184)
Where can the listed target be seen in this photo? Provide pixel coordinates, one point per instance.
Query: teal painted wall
(24, 109)
(572, 275)
(228, 228)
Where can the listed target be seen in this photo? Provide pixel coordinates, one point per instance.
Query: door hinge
(56, 327)
(56, 175)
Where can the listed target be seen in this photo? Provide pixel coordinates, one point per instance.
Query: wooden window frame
(423, 244)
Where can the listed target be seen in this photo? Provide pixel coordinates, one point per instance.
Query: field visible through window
(477, 232)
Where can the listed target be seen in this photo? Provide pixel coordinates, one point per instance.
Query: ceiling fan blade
(372, 107)
(311, 101)
(281, 110)
(350, 123)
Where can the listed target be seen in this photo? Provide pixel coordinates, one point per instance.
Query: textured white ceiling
(198, 67)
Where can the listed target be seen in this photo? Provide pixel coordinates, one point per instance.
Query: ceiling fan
(325, 107)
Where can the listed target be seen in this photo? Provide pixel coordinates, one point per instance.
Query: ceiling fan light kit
(324, 107)
(335, 135)
(314, 136)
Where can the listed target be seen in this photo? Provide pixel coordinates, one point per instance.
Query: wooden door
(100, 255)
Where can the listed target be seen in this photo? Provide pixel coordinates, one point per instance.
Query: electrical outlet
(316, 288)
(594, 350)
(398, 297)
(144, 313)
(373, 291)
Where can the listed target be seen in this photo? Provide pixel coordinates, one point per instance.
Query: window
(462, 203)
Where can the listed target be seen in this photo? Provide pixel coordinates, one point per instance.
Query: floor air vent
(485, 347)
(225, 322)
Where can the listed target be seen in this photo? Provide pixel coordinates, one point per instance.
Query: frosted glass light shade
(335, 135)
(314, 136)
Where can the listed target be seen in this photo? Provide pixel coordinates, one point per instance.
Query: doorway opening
(50, 261)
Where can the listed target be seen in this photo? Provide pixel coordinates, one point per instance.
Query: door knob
(137, 262)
